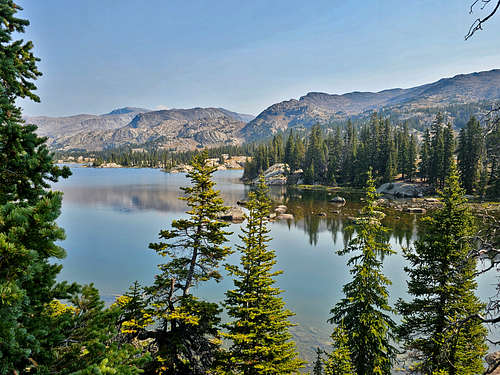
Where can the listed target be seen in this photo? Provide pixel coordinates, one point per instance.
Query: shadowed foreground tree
(28, 209)
(261, 343)
(442, 284)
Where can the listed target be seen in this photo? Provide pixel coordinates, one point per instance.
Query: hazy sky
(98, 55)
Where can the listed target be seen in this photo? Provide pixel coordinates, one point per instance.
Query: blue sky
(98, 55)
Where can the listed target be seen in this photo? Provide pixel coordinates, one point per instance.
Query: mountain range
(181, 129)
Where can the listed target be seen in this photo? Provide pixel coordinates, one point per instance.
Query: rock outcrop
(275, 175)
(403, 189)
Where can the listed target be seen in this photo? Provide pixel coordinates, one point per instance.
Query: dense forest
(343, 156)
(52, 327)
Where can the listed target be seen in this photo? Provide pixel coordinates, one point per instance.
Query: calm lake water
(111, 215)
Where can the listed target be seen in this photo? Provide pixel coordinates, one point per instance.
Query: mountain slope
(56, 127)
(179, 129)
(318, 107)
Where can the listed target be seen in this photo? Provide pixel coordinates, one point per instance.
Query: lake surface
(111, 215)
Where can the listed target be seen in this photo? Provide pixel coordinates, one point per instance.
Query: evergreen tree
(364, 311)
(442, 283)
(339, 361)
(315, 160)
(470, 152)
(449, 150)
(436, 167)
(86, 339)
(194, 247)
(335, 147)
(290, 153)
(412, 158)
(403, 151)
(259, 332)
(28, 209)
(493, 159)
(424, 168)
(318, 363)
(350, 153)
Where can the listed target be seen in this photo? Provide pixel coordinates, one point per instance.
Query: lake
(111, 215)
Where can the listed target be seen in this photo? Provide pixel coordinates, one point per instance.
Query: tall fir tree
(412, 158)
(259, 327)
(194, 248)
(28, 208)
(350, 153)
(364, 311)
(448, 151)
(470, 153)
(425, 156)
(335, 147)
(436, 167)
(442, 285)
(290, 153)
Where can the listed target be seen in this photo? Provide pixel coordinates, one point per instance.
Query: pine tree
(335, 147)
(442, 283)
(86, 338)
(318, 363)
(315, 159)
(449, 150)
(436, 167)
(339, 361)
(28, 209)
(403, 151)
(412, 158)
(290, 157)
(350, 153)
(470, 151)
(259, 329)
(424, 167)
(364, 311)
(194, 249)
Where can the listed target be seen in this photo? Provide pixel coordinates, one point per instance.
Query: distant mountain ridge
(175, 129)
(56, 127)
(316, 107)
(181, 129)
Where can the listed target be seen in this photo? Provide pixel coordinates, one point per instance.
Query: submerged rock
(415, 210)
(285, 217)
(337, 200)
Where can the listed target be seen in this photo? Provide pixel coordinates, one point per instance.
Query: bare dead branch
(478, 23)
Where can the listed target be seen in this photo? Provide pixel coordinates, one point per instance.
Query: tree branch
(478, 23)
